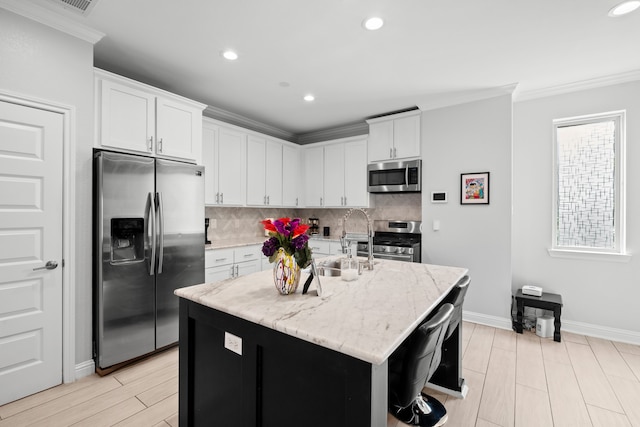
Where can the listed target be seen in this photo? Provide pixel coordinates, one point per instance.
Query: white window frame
(618, 252)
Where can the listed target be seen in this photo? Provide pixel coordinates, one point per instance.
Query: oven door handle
(395, 257)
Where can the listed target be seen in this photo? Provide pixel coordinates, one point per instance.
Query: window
(589, 186)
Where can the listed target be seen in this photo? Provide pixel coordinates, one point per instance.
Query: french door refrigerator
(148, 241)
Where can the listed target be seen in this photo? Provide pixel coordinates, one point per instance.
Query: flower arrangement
(288, 234)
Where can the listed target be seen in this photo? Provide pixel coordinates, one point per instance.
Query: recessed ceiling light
(373, 23)
(230, 55)
(309, 98)
(624, 8)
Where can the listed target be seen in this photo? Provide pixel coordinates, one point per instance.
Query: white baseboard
(84, 369)
(613, 334)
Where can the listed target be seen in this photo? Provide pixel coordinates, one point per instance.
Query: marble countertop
(366, 319)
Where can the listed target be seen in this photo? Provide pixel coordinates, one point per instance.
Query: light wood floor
(514, 380)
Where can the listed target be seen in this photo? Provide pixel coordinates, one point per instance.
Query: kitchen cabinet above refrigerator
(137, 118)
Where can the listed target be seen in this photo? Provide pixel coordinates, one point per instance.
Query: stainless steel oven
(395, 240)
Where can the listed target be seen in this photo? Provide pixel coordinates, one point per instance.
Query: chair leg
(424, 411)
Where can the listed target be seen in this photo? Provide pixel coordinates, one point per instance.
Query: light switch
(233, 343)
(436, 225)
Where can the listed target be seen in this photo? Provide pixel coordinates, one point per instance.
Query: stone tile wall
(244, 223)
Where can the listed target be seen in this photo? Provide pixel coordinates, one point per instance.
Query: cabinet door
(244, 268)
(355, 174)
(273, 173)
(217, 274)
(178, 133)
(291, 174)
(256, 195)
(209, 156)
(319, 248)
(380, 141)
(406, 137)
(232, 149)
(127, 118)
(334, 175)
(314, 172)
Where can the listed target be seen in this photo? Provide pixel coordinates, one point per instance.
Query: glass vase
(286, 273)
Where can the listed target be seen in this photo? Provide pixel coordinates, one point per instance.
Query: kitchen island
(252, 357)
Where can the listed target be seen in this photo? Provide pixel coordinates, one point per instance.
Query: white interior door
(31, 143)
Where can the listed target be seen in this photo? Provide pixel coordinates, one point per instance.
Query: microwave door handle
(406, 176)
(152, 219)
(160, 233)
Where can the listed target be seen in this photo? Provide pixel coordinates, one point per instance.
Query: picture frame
(474, 188)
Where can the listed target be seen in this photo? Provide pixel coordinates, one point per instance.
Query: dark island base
(278, 381)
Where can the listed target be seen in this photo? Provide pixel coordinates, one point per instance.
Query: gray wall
(472, 137)
(40, 62)
(601, 293)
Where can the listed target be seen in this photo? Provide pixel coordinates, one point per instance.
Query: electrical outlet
(233, 343)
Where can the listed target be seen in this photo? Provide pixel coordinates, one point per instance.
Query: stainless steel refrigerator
(148, 241)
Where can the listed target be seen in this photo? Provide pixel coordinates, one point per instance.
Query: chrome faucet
(347, 238)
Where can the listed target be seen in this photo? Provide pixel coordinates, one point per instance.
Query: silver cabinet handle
(222, 198)
(220, 259)
(395, 152)
(268, 200)
(391, 153)
(296, 201)
(150, 145)
(50, 265)
(345, 200)
(233, 268)
(320, 201)
(264, 200)
(160, 145)
(237, 270)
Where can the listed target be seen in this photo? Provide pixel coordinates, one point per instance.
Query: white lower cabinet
(221, 264)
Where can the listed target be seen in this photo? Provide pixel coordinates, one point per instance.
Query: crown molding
(626, 77)
(244, 122)
(52, 19)
(448, 99)
(344, 131)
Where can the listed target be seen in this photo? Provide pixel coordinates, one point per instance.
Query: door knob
(50, 265)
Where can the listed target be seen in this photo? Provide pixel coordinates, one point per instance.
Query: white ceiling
(426, 49)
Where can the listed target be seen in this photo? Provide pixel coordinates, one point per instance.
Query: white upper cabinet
(314, 176)
(138, 118)
(394, 137)
(336, 174)
(264, 172)
(291, 174)
(225, 165)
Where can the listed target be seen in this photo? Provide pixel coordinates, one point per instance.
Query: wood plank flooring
(514, 380)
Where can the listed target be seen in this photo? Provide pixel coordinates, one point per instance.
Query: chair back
(421, 358)
(456, 298)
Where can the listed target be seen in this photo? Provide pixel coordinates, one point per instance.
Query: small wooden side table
(547, 301)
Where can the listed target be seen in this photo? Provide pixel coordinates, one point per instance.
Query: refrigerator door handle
(152, 218)
(160, 232)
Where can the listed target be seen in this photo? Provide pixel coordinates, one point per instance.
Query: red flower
(300, 229)
(268, 225)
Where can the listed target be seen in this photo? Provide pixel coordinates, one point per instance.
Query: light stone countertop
(366, 319)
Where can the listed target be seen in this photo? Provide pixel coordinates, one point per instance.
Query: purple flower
(269, 246)
(300, 241)
(282, 228)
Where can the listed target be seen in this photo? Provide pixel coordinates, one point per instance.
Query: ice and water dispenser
(127, 240)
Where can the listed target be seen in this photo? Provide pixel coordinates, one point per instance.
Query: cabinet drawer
(248, 253)
(320, 247)
(218, 257)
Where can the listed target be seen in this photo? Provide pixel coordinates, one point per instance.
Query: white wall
(472, 137)
(596, 294)
(43, 63)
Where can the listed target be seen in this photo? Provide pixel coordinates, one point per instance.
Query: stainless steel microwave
(394, 177)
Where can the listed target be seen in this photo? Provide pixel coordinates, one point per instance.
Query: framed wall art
(474, 188)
